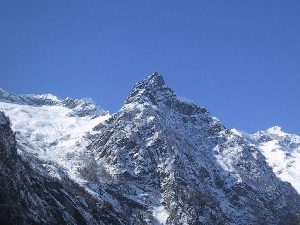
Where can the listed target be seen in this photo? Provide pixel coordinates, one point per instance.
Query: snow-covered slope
(50, 129)
(282, 152)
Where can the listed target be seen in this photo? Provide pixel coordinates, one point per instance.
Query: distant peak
(48, 96)
(276, 130)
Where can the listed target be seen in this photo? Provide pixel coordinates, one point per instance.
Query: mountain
(159, 160)
(282, 152)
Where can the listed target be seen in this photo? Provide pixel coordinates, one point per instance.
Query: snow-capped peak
(276, 130)
(153, 81)
(151, 90)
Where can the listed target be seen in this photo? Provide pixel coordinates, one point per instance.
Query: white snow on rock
(50, 133)
(183, 99)
(45, 96)
(161, 214)
(285, 165)
(282, 152)
(277, 131)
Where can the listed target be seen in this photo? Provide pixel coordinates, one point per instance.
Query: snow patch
(183, 99)
(47, 96)
(285, 165)
(161, 214)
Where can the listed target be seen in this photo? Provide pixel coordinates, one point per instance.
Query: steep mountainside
(159, 160)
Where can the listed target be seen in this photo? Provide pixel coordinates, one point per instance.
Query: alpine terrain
(160, 159)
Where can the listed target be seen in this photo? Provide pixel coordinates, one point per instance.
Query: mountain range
(160, 159)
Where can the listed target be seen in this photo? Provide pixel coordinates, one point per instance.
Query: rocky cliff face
(159, 160)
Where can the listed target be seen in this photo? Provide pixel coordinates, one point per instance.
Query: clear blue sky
(239, 59)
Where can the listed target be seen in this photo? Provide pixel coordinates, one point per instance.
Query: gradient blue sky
(239, 59)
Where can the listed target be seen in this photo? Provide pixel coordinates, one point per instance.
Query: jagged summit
(151, 89)
(155, 78)
(153, 81)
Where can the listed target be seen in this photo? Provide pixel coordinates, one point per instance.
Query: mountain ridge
(80, 107)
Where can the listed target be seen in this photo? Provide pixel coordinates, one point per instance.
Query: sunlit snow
(280, 150)
(285, 165)
(161, 214)
(49, 132)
